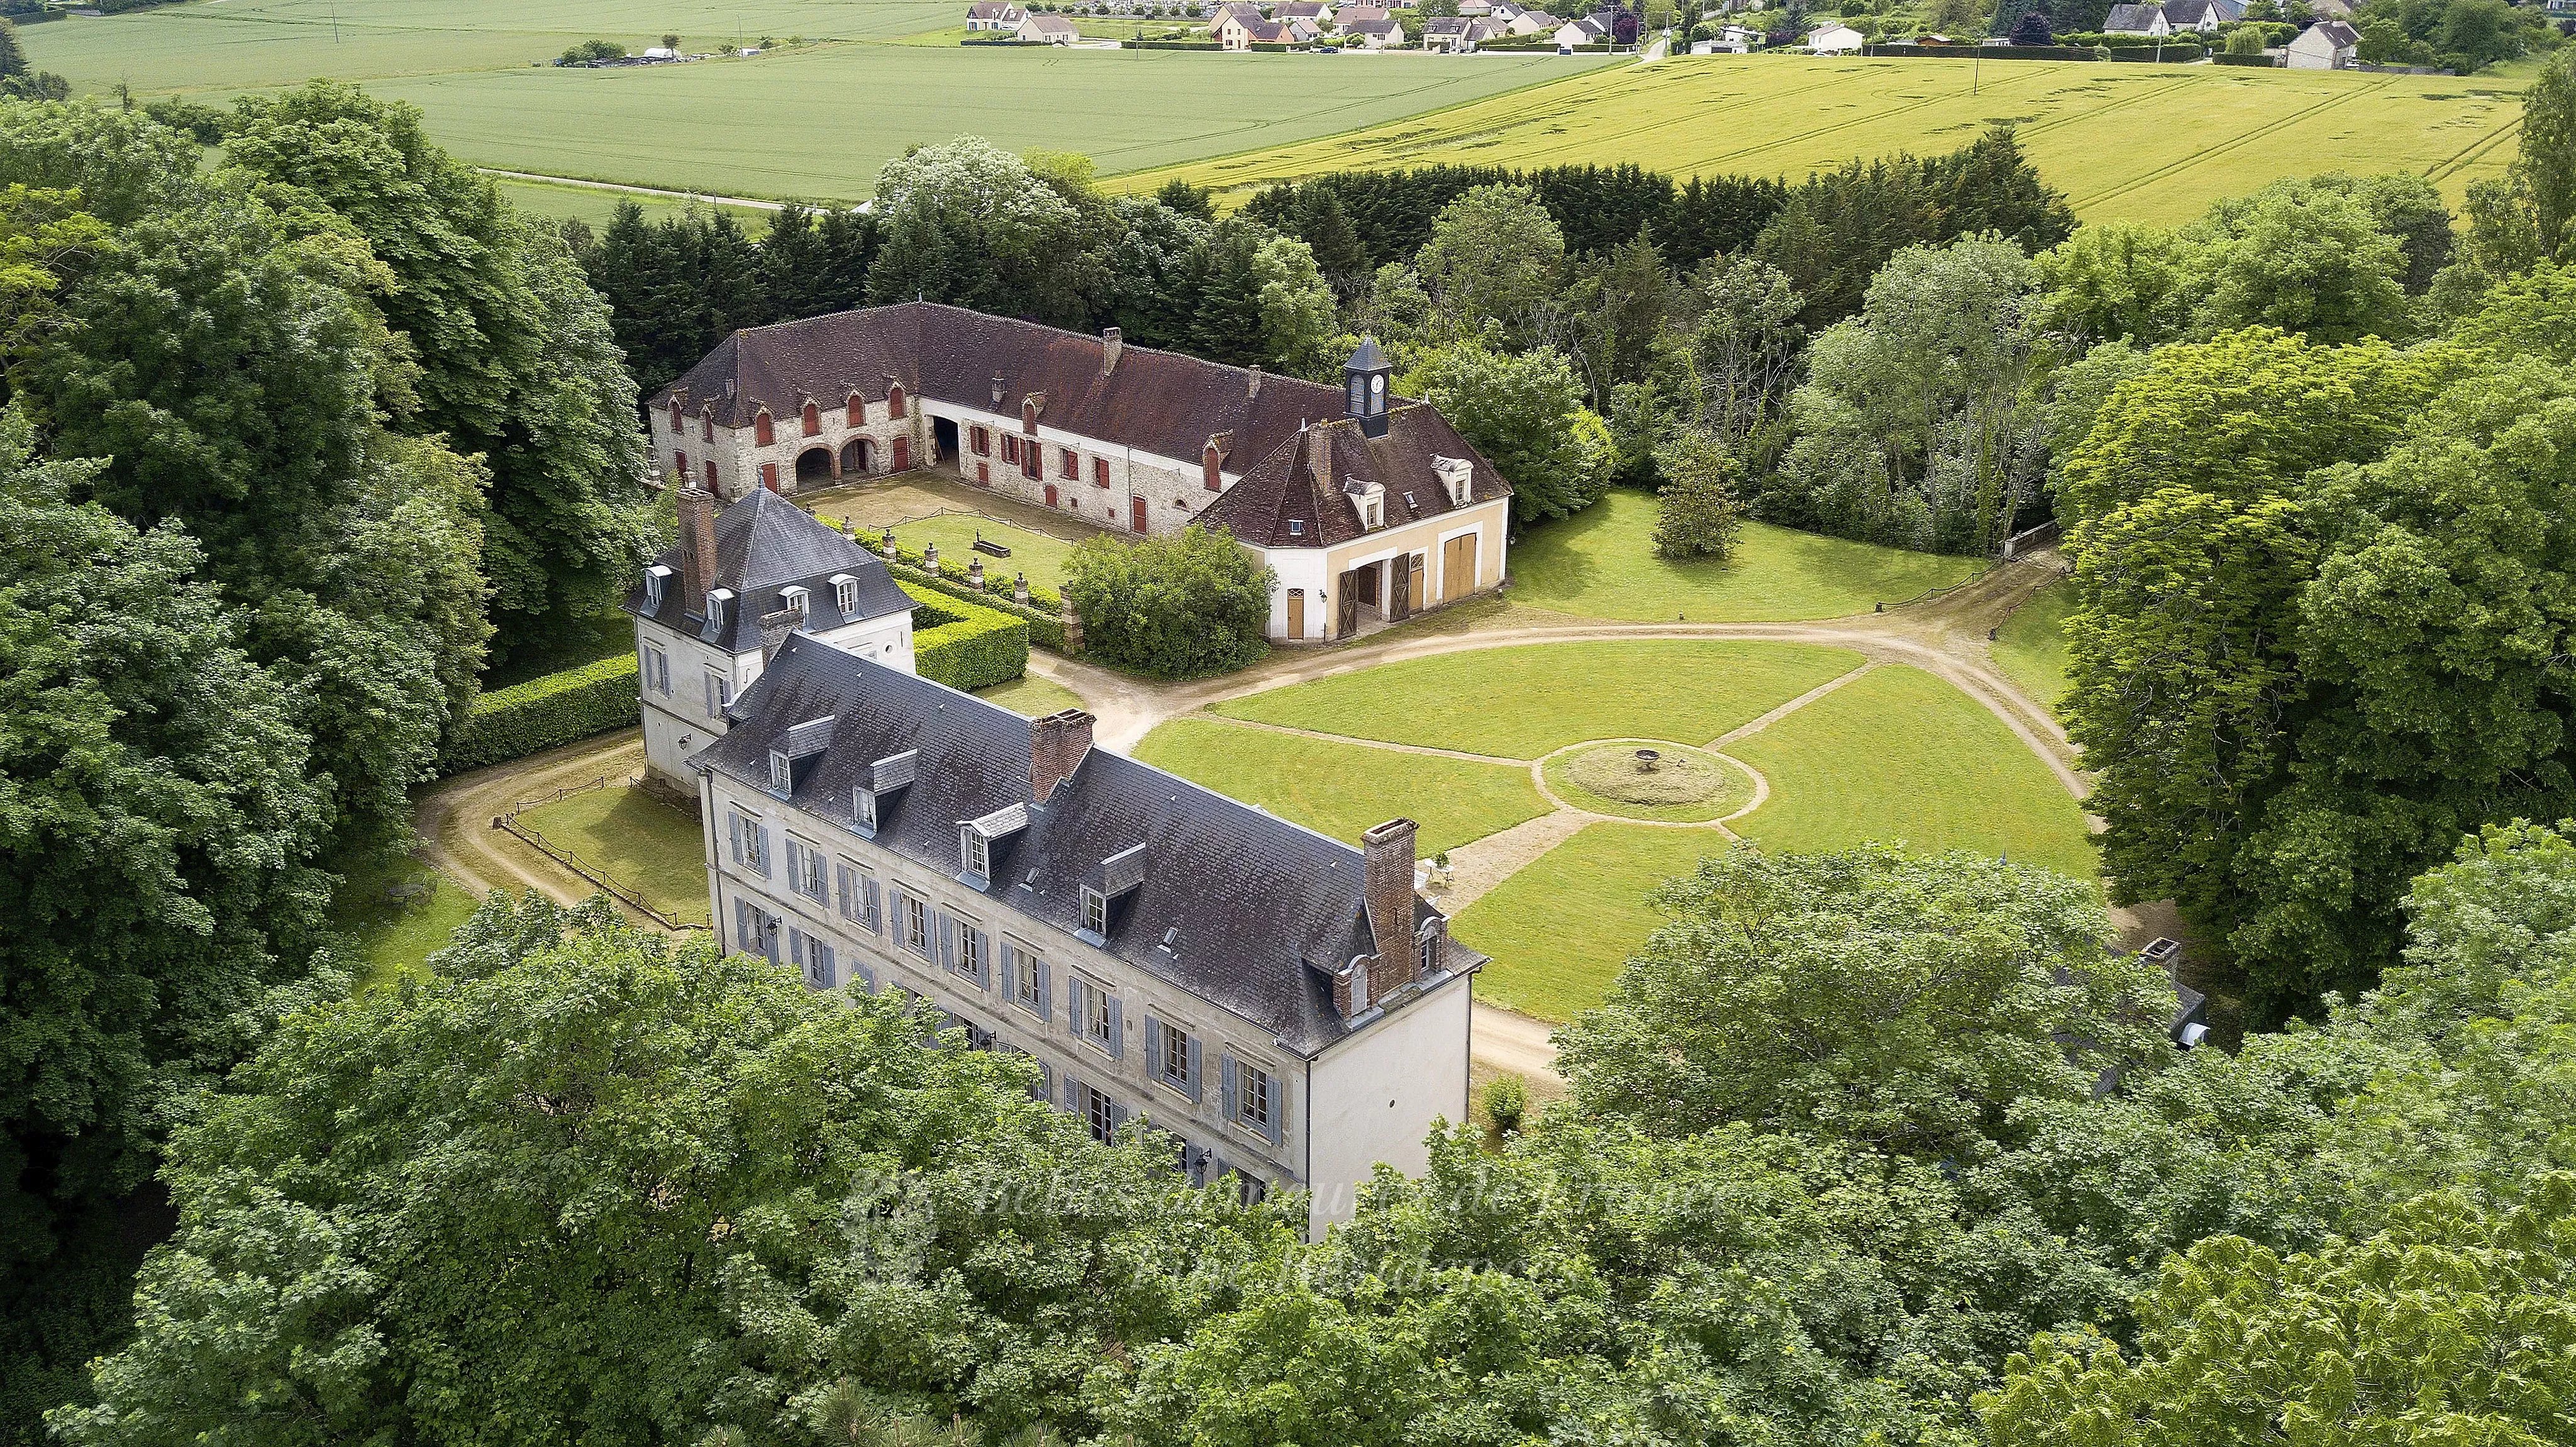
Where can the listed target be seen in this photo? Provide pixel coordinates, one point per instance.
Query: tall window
(1100, 472)
(845, 596)
(706, 428)
(1099, 1114)
(1025, 989)
(657, 670)
(1175, 1063)
(763, 431)
(894, 402)
(916, 925)
(980, 440)
(1068, 464)
(1095, 911)
(856, 413)
(675, 417)
(719, 692)
(711, 474)
(971, 949)
(1097, 1026)
(978, 852)
(1252, 1092)
(680, 465)
(812, 420)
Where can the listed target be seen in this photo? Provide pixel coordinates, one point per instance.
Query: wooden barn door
(1136, 513)
(1457, 567)
(1296, 612)
(903, 454)
(1399, 593)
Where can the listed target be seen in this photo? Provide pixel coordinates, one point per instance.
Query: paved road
(753, 202)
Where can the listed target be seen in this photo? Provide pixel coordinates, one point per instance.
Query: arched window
(680, 462)
(894, 401)
(675, 416)
(706, 427)
(858, 414)
(1029, 417)
(1208, 461)
(711, 476)
(813, 420)
(763, 432)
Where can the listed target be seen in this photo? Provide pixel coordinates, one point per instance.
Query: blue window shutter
(1153, 1047)
(1225, 1094)
(733, 829)
(876, 911)
(764, 851)
(1075, 1015)
(947, 942)
(983, 957)
(1117, 1032)
(1278, 1109)
(1046, 991)
(1010, 972)
(1191, 1087)
(1072, 1092)
(829, 965)
(743, 938)
(865, 975)
(1117, 1115)
(769, 938)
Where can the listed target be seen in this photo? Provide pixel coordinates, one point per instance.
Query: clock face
(1377, 385)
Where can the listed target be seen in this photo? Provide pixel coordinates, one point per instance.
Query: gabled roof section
(1251, 900)
(765, 545)
(1306, 481)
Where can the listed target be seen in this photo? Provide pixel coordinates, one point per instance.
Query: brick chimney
(1252, 382)
(774, 629)
(1387, 865)
(1057, 743)
(1112, 342)
(697, 546)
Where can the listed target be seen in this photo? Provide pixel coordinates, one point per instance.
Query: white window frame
(1176, 1049)
(845, 596)
(811, 880)
(782, 772)
(1245, 1072)
(1097, 1030)
(915, 925)
(971, 949)
(863, 803)
(1095, 903)
(657, 669)
(719, 693)
(1099, 1113)
(977, 852)
(1025, 989)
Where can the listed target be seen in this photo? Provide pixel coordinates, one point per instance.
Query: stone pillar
(1072, 629)
(1020, 589)
(975, 573)
(888, 548)
(930, 560)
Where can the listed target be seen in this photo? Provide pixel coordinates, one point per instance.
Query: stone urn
(1020, 589)
(930, 560)
(975, 574)
(887, 547)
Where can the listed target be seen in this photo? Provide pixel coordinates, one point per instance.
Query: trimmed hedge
(1171, 44)
(1044, 615)
(965, 645)
(2172, 55)
(2223, 58)
(545, 713)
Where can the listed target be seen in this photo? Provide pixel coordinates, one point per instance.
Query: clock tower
(1364, 385)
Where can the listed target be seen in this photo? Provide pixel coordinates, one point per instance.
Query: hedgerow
(545, 713)
(965, 645)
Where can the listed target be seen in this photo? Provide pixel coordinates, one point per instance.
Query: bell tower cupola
(1364, 385)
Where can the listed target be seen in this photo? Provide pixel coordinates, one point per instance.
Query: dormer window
(1457, 478)
(717, 601)
(656, 578)
(1368, 499)
(763, 430)
(845, 594)
(782, 773)
(976, 853)
(1095, 911)
(975, 839)
(863, 806)
(792, 600)
(1296, 527)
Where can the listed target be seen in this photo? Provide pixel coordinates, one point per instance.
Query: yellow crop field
(2131, 141)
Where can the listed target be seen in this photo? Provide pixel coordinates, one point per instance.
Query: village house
(1525, 22)
(993, 15)
(2147, 20)
(2202, 16)
(1232, 24)
(1281, 1007)
(2326, 45)
(1314, 11)
(700, 612)
(1373, 28)
(1585, 30)
(1367, 506)
(1048, 30)
(1835, 40)
(1457, 35)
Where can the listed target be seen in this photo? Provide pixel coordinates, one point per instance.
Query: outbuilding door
(1457, 567)
(1050, 494)
(1136, 513)
(1347, 619)
(1296, 612)
(1399, 592)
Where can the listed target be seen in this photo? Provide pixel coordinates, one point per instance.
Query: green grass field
(644, 844)
(825, 116)
(1559, 930)
(1039, 555)
(1898, 755)
(2031, 646)
(2136, 142)
(1601, 563)
(400, 914)
(1518, 703)
(596, 207)
(1337, 790)
(1031, 695)
(1736, 789)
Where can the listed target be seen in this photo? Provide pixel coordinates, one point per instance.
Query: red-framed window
(858, 410)
(706, 428)
(1208, 461)
(675, 416)
(813, 420)
(1068, 464)
(894, 401)
(982, 441)
(680, 465)
(763, 431)
(1100, 471)
(1010, 449)
(1028, 417)
(711, 476)
(1032, 460)
(769, 476)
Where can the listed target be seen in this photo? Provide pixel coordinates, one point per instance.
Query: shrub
(1700, 516)
(965, 645)
(1044, 613)
(1506, 1101)
(545, 713)
(591, 50)
(1180, 606)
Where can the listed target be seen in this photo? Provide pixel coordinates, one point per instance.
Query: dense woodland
(301, 436)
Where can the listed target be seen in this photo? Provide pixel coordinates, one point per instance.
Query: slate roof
(1444, 26)
(1303, 481)
(765, 544)
(991, 10)
(1354, 16)
(1261, 908)
(1159, 402)
(1378, 26)
(1051, 25)
(1302, 10)
(2187, 14)
(2130, 20)
(1268, 32)
(2339, 34)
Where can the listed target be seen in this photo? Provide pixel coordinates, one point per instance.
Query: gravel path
(1944, 636)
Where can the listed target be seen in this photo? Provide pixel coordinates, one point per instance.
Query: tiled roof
(1052, 24)
(2130, 19)
(1159, 402)
(1258, 908)
(765, 544)
(1303, 481)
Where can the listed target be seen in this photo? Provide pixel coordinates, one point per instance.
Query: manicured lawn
(597, 207)
(1031, 695)
(2031, 646)
(1601, 563)
(2134, 142)
(1036, 554)
(1519, 703)
(1560, 929)
(401, 914)
(1899, 755)
(1340, 789)
(648, 846)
